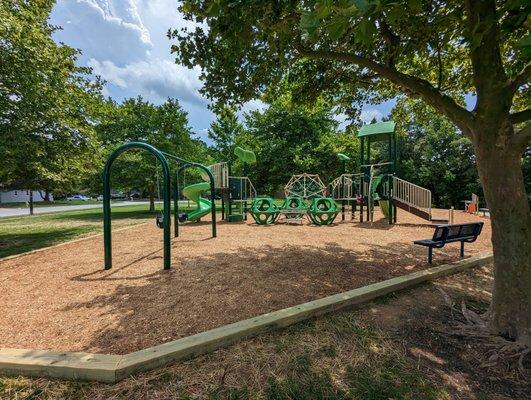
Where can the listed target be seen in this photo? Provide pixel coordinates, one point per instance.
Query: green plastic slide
(376, 180)
(204, 206)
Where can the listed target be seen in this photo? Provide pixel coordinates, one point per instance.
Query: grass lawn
(402, 346)
(21, 234)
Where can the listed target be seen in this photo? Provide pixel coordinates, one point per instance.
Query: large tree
(223, 132)
(48, 106)
(290, 139)
(430, 49)
(165, 126)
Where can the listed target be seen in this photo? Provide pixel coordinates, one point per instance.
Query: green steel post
(230, 194)
(176, 204)
(369, 211)
(342, 191)
(362, 162)
(107, 240)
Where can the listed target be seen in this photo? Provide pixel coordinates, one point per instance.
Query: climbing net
(306, 186)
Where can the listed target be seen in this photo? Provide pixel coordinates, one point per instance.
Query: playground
(232, 254)
(70, 302)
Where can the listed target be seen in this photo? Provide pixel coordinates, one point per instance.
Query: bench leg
(430, 254)
(462, 254)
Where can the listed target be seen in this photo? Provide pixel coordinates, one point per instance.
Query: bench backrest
(455, 231)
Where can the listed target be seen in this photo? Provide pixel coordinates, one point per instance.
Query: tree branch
(521, 78)
(413, 86)
(520, 116)
(522, 138)
(392, 41)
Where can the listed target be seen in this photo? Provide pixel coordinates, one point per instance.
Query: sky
(124, 42)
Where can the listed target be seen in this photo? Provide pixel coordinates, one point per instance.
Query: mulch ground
(62, 299)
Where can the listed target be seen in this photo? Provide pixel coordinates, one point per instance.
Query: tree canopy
(48, 105)
(165, 126)
(435, 155)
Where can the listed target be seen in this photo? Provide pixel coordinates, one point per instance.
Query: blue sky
(125, 42)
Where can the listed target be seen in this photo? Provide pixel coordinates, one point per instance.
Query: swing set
(163, 220)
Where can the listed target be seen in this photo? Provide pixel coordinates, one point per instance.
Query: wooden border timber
(112, 368)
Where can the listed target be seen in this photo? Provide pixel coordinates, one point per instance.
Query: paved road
(13, 212)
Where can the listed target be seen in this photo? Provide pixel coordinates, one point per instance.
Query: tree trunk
(31, 201)
(501, 175)
(151, 202)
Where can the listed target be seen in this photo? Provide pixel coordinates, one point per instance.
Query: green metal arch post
(107, 200)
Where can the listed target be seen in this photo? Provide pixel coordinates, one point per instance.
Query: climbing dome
(294, 203)
(306, 186)
(323, 211)
(264, 211)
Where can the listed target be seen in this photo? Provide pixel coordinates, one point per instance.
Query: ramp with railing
(412, 198)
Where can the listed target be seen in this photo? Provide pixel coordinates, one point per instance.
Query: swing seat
(159, 220)
(183, 217)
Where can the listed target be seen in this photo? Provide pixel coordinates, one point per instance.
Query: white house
(21, 196)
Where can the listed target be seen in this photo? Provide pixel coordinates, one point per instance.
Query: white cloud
(155, 79)
(103, 29)
(367, 116)
(343, 120)
(125, 42)
(252, 105)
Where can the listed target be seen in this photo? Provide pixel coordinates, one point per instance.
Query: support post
(362, 186)
(107, 241)
(176, 204)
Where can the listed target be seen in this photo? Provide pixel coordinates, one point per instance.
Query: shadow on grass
(20, 242)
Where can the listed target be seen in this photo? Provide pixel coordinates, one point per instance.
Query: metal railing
(247, 191)
(412, 195)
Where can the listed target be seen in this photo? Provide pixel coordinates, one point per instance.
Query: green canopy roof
(377, 131)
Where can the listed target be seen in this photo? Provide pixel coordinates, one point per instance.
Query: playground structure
(235, 191)
(253, 273)
(375, 183)
(216, 177)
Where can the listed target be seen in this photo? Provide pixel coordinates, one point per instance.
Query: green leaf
(323, 9)
(337, 27)
(524, 44)
(362, 5)
(415, 5)
(366, 30)
(309, 22)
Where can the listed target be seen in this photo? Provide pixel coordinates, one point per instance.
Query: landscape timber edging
(112, 368)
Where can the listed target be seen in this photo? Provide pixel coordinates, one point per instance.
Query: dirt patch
(423, 324)
(62, 299)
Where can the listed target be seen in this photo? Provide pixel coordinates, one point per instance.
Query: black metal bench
(451, 233)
